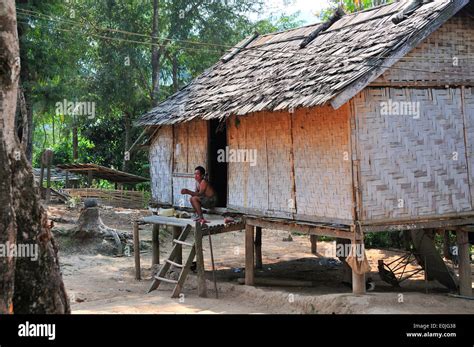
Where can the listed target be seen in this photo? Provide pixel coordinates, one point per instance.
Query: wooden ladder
(172, 260)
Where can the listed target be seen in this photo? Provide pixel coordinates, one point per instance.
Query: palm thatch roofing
(273, 72)
(102, 172)
(56, 175)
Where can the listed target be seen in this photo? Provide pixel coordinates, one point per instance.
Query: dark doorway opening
(218, 170)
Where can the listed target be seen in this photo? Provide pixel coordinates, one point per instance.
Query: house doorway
(218, 170)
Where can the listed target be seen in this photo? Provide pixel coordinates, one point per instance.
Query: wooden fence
(115, 198)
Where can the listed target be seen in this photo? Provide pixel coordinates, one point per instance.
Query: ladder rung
(174, 264)
(162, 279)
(183, 243)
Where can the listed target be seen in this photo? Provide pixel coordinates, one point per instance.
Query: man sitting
(204, 196)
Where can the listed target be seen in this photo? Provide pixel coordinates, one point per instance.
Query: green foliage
(351, 6)
(85, 51)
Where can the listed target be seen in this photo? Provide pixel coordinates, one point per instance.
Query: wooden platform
(215, 226)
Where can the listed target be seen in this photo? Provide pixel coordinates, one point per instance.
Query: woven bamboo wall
(322, 162)
(453, 39)
(305, 158)
(190, 151)
(248, 185)
(160, 156)
(281, 195)
(407, 165)
(468, 97)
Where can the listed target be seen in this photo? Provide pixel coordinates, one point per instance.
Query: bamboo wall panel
(197, 144)
(407, 165)
(452, 43)
(323, 162)
(190, 151)
(468, 96)
(160, 156)
(180, 154)
(280, 171)
(178, 184)
(253, 186)
(237, 177)
(257, 175)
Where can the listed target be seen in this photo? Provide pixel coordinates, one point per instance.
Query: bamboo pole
(136, 250)
(258, 247)
(249, 255)
(465, 280)
(202, 288)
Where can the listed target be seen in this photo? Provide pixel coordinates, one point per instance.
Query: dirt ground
(104, 284)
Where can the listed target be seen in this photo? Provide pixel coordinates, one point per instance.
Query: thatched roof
(274, 73)
(103, 172)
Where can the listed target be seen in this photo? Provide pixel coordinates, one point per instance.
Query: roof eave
(357, 86)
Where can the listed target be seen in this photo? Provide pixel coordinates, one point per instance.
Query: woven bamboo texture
(322, 162)
(315, 142)
(408, 166)
(160, 156)
(448, 50)
(115, 198)
(468, 97)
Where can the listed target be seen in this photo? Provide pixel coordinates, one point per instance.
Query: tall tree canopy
(122, 57)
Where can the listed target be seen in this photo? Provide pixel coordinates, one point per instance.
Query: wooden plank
(136, 250)
(435, 224)
(176, 233)
(164, 269)
(249, 255)
(301, 228)
(155, 245)
(184, 273)
(465, 277)
(358, 280)
(258, 247)
(202, 287)
(314, 243)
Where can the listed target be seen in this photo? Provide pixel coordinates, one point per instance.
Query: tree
(27, 285)
(351, 6)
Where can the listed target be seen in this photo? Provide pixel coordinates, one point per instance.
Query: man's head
(199, 173)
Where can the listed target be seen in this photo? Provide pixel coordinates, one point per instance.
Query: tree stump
(91, 230)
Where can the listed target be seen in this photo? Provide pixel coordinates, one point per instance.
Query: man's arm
(199, 188)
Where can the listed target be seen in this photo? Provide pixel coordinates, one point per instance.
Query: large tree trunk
(25, 93)
(175, 72)
(155, 56)
(75, 141)
(128, 128)
(27, 285)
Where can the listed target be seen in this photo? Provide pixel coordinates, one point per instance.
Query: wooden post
(155, 245)
(258, 247)
(41, 175)
(314, 243)
(176, 232)
(249, 255)
(49, 161)
(202, 288)
(89, 179)
(446, 245)
(358, 281)
(465, 280)
(136, 250)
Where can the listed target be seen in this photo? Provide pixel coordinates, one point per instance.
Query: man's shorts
(208, 202)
